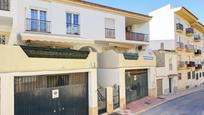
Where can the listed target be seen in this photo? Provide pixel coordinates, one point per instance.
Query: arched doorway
(88, 48)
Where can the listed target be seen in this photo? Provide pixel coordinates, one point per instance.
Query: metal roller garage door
(136, 85)
(52, 94)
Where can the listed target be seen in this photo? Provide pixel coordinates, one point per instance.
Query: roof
(106, 8)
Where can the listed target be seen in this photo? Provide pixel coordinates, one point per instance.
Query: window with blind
(109, 28)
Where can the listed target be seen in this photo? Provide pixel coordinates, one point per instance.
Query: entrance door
(52, 95)
(159, 87)
(136, 85)
(170, 85)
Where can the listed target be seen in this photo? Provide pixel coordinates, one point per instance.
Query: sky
(146, 6)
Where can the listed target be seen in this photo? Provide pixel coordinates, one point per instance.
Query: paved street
(192, 104)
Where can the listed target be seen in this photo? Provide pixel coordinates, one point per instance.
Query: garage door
(136, 83)
(159, 87)
(52, 95)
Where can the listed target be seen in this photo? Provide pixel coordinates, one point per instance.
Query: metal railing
(189, 48)
(189, 31)
(4, 5)
(180, 45)
(73, 29)
(137, 36)
(36, 25)
(179, 26)
(181, 64)
(197, 38)
(109, 33)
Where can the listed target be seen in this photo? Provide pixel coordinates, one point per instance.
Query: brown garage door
(159, 87)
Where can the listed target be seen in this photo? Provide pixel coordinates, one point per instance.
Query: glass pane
(76, 19)
(69, 18)
(69, 23)
(43, 23)
(34, 21)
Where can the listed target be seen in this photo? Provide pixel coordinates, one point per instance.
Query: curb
(154, 106)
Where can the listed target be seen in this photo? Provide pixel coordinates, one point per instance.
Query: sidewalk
(139, 106)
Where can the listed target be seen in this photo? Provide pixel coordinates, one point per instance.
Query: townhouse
(166, 71)
(179, 30)
(72, 57)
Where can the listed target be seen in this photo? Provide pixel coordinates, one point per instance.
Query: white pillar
(122, 88)
(7, 95)
(93, 100)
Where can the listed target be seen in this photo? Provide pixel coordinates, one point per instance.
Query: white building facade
(56, 55)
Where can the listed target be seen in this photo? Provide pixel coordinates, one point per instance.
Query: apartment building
(72, 57)
(178, 29)
(166, 71)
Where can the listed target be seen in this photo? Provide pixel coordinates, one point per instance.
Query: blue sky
(146, 6)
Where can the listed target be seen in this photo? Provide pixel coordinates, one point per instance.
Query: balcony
(190, 64)
(179, 27)
(73, 29)
(133, 36)
(181, 65)
(189, 48)
(198, 52)
(112, 59)
(198, 66)
(4, 5)
(16, 58)
(110, 33)
(35, 25)
(189, 32)
(197, 38)
(180, 46)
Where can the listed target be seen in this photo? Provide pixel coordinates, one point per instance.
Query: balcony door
(38, 20)
(72, 21)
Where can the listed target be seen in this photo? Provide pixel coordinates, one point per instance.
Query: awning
(53, 40)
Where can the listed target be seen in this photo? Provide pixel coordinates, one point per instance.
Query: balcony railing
(198, 52)
(36, 25)
(137, 36)
(4, 5)
(109, 33)
(131, 56)
(198, 66)
(197, 38)
(179, 27)
(73, 29)
(180, 45)
(181, 64)
(191, 64)
(189, 48)
(189, 31)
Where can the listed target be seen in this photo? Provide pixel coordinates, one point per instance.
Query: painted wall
(162, 24)
(90, 27)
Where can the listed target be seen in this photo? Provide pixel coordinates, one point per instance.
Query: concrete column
(7, 95)
(109, 92)
(93, 102)
(122, 88)
(152, 82)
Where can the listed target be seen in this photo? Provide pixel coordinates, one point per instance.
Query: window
(38, 21)
(197, 76)
(72, 22)
(170, 64)
(3, 39)
(179, 76)
(200, 74)
(203, 74)
(193, 75)
(109, 28)
(189, 75)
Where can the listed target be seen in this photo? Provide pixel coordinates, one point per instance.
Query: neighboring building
(179, 30)
(49, 62)
(166, 71)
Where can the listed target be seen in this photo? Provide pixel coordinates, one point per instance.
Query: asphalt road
(192, 104)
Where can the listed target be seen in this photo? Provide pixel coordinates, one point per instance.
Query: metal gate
(136, 83)
(102, 100)
(52, 95)
(116, 96)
